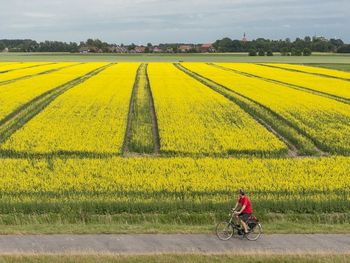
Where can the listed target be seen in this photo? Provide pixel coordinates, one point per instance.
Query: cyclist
(245, 211)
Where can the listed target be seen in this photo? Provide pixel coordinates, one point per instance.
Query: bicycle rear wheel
(254, 233)
(224, 231)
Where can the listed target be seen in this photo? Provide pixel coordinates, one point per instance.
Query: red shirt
(244, 200)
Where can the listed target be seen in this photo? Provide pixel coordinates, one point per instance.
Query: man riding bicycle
(245, 211)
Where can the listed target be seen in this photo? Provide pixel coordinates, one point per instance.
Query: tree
(261, 52)
(131, 47)
(296, 52)
(252, 52)
(344, 49)
(307, 52)
(223, 45)
(284, 51)
(269, 53)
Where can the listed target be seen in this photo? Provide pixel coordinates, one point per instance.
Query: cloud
(141, 21)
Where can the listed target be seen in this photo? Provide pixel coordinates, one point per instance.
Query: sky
(170, 21)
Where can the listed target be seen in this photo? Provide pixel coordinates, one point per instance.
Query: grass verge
(166, 223)
(175, 258)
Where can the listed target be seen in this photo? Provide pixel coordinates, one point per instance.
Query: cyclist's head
(241, 192)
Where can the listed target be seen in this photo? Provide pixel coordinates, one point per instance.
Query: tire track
(288, 85)
(127, 136)
(34, 66)
(305, 72)
(298, 141)
(155, 127)
(142, 70)
(36, 74)
(29, 110)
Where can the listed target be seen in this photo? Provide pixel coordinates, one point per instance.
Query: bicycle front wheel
(254, 233)
(224, 231)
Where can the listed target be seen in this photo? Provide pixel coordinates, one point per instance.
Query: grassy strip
(149, 228)
(90, 203)
(34, 66)
(166, 223)
(287, 133)
(170, 258)
(302, 71)
(139, 135)
(34, 75)
(199, 57)
(22, 115)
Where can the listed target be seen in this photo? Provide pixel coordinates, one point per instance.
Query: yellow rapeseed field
(324, 120)
(284, 179)
(195, 119)
(68, 155)
(31, 71)
(13, 66)
(331, 86)
(315, 70)
(91, 117)
(15, 94)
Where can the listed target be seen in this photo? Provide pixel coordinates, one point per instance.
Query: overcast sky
(197, 21)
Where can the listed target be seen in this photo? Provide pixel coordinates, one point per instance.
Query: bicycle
(225, 230)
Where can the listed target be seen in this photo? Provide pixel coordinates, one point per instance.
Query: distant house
(84, 50)
(157, 50)
(185, 48)
(170, 50)
(5, 50)
(120, 49)
(140, 49)
(206, 48)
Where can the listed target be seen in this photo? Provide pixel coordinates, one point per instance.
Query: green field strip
(26, 67)
(285, 84)
(36, 74)
(303, 71)
(298, 143)
(141, 136)
(14, 121)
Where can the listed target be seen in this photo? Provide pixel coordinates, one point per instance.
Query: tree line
(299, 46)
(259, 46)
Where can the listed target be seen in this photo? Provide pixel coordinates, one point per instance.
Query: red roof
(207, 45)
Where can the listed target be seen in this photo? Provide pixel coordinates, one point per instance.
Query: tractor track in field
(155, 126)
(34, 66)
(288, 85)
(18, 118)
(147, 244)
(127, 136)
(302, 71)
(237, 98)
(37, 74)
(128, 133)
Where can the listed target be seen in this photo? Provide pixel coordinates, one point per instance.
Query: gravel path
(173, 243)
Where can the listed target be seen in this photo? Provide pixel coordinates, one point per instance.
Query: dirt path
(173, 243)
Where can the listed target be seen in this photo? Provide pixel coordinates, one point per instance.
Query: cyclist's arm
(242, 209)
(235, 206)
